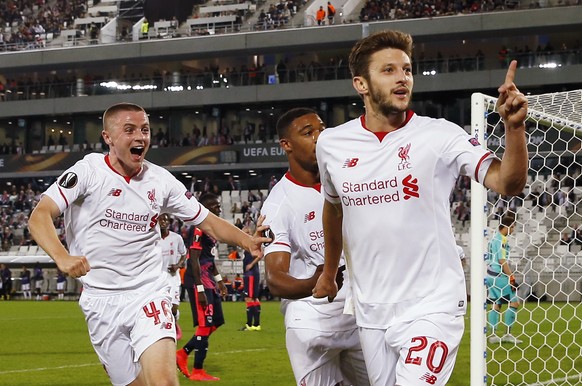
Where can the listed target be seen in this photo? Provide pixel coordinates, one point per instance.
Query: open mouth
(137, 150)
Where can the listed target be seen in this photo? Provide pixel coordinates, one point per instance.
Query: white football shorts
(124, 324)
(326, 358)
(413, 353)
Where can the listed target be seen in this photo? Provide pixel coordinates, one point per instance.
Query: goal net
(545, 249)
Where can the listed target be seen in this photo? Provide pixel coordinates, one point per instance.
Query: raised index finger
(510, 76)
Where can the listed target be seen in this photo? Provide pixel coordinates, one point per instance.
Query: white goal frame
(547, 110)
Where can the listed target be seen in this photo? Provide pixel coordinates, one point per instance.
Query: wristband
(200, 288)
(218, 277)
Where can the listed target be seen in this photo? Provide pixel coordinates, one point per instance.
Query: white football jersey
(113, 220)
(398, 240)
(173, 248)
(293, 212)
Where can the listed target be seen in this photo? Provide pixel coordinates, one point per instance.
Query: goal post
(546, 248)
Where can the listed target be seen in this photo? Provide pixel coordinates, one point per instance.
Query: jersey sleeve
(466, 153)
(327, 188)
(279, 225)
(182, 203)
(197, 240)
(181, 246)
(71, 185)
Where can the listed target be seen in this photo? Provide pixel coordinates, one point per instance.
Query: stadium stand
(61, 23)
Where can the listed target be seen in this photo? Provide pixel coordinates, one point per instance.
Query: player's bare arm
(283, 285)
(332, 218)
(181, 262)
(226, 232)
(509, 176)
(196, 272)
(173, 268)
(44, 233)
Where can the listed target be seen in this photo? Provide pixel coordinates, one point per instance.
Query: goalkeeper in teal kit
(501, 283)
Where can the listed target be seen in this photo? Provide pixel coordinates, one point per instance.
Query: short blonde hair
(112, 110)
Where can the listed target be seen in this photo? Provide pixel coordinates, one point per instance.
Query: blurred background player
(205, 290)
(500, 281)
(322, 342)
(6, 282)
(175, 254)
(38, 277)
(252, 280)
(25, 283)
(61, 284)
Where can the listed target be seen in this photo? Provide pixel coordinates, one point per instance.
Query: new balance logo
(429, 378)
(309, 216)
(350, 162)
(115, 192)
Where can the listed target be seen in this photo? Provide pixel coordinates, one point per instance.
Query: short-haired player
(322, 341)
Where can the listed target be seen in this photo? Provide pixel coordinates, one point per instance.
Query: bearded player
(387, 177)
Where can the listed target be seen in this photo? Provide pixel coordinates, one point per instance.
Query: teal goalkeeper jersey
(498, 250)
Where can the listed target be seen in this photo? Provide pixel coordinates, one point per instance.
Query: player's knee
(169, 380)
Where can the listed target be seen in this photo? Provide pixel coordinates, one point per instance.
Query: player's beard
(383, 104)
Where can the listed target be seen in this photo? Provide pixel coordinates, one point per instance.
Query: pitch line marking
(99, 364)
(554, 381)
(50, 368)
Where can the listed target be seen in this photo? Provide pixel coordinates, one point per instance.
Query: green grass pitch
(46, 343)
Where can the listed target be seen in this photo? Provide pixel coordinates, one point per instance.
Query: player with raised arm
(500, 281)
(111, 205)
(175, 254)
(387, 177)
(322, 341)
